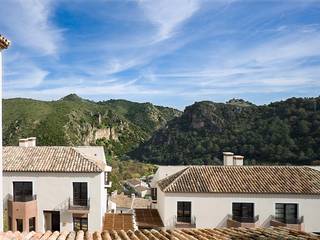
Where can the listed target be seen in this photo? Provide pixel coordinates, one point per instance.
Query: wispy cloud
(168, 15)
(28, 23)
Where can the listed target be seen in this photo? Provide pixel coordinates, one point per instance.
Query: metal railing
(298, 220)
(22, 198)
(191, 221)
(240, 219)
(79, 203)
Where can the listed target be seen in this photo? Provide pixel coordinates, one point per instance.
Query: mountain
(278, 133)
(119, 125)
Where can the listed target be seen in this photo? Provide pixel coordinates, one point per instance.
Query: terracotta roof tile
(47, 159)
(176, 234)
(4, 43)
(243, 179)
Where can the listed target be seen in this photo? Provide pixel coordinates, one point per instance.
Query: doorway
(51, 220)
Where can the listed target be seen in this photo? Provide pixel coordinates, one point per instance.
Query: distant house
(142, 191)
(234, 195)
(121, 203)
(54, 188)
(135, 182)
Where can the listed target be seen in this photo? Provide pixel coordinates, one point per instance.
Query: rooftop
(176, 234)
(243, 179)
(124, 201)
(50, 159)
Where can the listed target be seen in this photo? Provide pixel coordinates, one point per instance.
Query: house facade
(4, 44)
(54, 188)
(239, 196)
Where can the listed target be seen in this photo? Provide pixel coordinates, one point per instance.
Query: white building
(54, 188)
(235, 196)
(4, 44)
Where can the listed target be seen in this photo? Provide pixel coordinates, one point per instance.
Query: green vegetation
(119, 125)
(286, 132)
(122, 170)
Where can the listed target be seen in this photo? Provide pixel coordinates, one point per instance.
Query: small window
(32, 224)
(287, 213)
(80, 224)
(10, 223)
(19, 225)
(154, 193)
(243, 212)
(184, 212)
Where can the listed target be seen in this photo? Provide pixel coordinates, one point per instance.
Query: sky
(168, 52)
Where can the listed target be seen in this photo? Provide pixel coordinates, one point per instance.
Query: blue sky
(168, 52)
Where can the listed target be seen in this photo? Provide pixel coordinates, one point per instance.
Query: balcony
(294, 223)
(236, 221)
(186, 223)
(22, 207)
(22, 198)
(81, 206)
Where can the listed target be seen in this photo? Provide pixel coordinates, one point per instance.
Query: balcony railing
(22, 198)
(240, 219)
(288, 220)
(79, 204)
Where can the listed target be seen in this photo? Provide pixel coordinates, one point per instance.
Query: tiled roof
(148, 218)
(48, 159)
(243, 179)
(4, 43)
(118, 221)
(176, 234)
(124, 201)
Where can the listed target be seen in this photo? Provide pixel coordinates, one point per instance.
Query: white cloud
(27, 23)
(24, 76)
(168, 15)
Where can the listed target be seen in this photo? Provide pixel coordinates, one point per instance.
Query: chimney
(27, 142)
(32, 141)
(23, 142)
(228, 158)
(238, 160)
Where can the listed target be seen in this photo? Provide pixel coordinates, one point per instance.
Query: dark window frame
(19, 223)
(80, 193)
(83, 223)
(154, 194)
(283, 214)
(22, 191)
(184, 211)
(32, 224)
(243, 211)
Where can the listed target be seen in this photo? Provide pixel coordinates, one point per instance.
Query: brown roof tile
(4, 43)
(47, 159)
(177, 234)
(243, 179)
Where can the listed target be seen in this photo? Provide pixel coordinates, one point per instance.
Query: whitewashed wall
(53, 191)
(211, 210)
(1, 183)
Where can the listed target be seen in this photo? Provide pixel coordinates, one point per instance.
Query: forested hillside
(119, 125)
(278, 133)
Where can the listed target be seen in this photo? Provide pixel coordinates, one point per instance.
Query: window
(154, 193)
(22, 191)
(80, 193)
(19, 225)
(80, 224)
(10, 223)
(106, 178)
(287, 213)
(184, 212)
(243, 212)
(32, 224)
